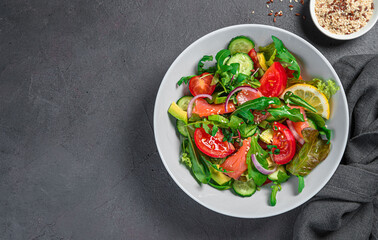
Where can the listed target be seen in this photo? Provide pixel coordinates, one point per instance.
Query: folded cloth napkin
(347, 207)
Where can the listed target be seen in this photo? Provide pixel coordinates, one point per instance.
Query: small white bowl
(354, 35)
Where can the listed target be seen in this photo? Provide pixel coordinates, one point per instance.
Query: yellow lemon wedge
(312, 96)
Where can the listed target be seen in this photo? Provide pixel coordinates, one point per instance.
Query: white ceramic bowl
(357, 34)
(226, 202)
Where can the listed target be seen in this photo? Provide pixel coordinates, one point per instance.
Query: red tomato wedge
(237, 162)
(201, 84)
(285, 142)
(204, 109)
(244, 96)
(299, 126)
(212, 146)
(274, 81)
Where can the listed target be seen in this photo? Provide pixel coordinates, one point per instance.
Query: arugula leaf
(291, 98)
(258, 104)
(235, 122)
(240, 79)
(253, 173)
(206, 127)
(285, 56)
(219, 169)
(199, 169)
(221, 57)
(201, 63)
(218, 118)
(293, 115)
(246, 114)
(214, 130)
(247, 130)
(184, 80)
(301, 183)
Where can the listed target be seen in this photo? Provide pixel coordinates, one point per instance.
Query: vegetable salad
(252, 119)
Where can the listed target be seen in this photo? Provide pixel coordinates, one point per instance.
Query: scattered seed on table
(270, 14)
(274, 19)
(290, 6)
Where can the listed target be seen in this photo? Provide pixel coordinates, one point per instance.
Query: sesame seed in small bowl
(344, 19)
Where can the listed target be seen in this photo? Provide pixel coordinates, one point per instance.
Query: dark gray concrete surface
(78, 81)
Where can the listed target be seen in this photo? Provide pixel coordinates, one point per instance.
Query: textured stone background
(78, 81)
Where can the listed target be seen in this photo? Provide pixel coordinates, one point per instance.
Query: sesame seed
(267, 6)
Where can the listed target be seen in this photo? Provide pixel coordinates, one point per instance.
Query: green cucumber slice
(181, 127)
(240, 44)
(184, 102)
(244, 189)
(246, 64)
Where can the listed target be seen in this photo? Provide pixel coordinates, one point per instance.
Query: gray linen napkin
(347, 207)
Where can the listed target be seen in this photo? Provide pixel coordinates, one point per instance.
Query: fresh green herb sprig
(285, 56)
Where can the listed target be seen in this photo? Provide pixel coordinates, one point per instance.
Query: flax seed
(343, 16)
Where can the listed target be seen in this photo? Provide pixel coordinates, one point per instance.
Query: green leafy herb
(185, 80)
(185, 154)
(201, 64)
(206, 127)
(291, 98)
(313, 152)
(285, 56)
(301, 183)
(257, 104)
(214, 130)
(218, 118)
(247, 130)
(199, 169)
(235, 122)
(294, 114)
(261, 156)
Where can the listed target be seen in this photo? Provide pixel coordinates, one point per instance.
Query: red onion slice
(261, 168)
(295, 134)
(248, 88)
(190, 105)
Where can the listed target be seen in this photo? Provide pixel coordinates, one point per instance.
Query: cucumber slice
(182, 128)
(240, 44)
(246, 64)
(184, 102)
(244, 189)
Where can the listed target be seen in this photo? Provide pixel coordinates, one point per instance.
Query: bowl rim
(354, 35)
(299, 202)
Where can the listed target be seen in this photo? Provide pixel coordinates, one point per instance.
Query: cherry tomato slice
(274, 81)
(285, 142)
(212, 146)
(201, 84)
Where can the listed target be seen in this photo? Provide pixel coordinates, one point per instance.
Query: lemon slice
(312, 96)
